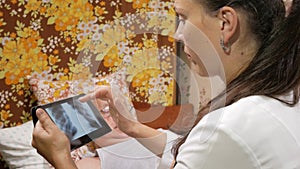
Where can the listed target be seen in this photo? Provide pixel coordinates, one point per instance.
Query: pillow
(16, 149)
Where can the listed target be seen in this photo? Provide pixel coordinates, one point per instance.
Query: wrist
(63, 161)
(135, 130)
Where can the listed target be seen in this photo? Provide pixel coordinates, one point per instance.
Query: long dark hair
(275, 69)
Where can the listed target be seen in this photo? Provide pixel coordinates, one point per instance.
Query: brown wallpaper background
(67, 40)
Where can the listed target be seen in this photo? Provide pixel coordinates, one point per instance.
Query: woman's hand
(121, 112)
(51, 142)
(119, 108)
(116, 135)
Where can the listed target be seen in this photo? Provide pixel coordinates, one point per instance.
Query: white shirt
(131, 154)
(256, 132)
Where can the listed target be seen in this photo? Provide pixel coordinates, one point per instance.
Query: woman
(255, 122)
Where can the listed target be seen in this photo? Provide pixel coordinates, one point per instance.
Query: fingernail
(39, 112)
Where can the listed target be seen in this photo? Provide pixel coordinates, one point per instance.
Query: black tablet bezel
(87, 137)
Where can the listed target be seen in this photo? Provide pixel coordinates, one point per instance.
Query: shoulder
(250, 121)
(256, 124)
(248, 108)
(254, 111)
(218, 133)
(252, 128)
(250, 114)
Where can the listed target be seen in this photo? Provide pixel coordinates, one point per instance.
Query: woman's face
(199, 31)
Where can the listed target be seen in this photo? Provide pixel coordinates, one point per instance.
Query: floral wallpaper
(61, 40)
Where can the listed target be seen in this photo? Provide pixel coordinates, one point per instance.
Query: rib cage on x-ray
(61, 117)
(77, 105)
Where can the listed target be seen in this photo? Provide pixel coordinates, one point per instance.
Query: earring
(224, 47)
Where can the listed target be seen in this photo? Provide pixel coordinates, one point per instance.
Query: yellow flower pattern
(63, 40)
(66, 40)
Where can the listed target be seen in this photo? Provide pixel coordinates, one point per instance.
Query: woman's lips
(188, 56)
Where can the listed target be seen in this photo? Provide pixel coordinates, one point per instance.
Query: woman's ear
(228, 23)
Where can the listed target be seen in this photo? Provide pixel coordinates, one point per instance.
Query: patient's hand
(51, 143)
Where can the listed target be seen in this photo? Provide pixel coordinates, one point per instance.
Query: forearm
(150, 138)
(63, 161)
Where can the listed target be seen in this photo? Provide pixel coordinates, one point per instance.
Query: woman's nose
(179, 34)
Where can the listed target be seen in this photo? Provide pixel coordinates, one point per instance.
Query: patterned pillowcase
(16, 149)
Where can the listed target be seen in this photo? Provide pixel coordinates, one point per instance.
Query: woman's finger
(102, 106)
(45, 121)
(121, 111)
(113, 112)
(102, 92)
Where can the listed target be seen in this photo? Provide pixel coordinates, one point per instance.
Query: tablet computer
(80, 121)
